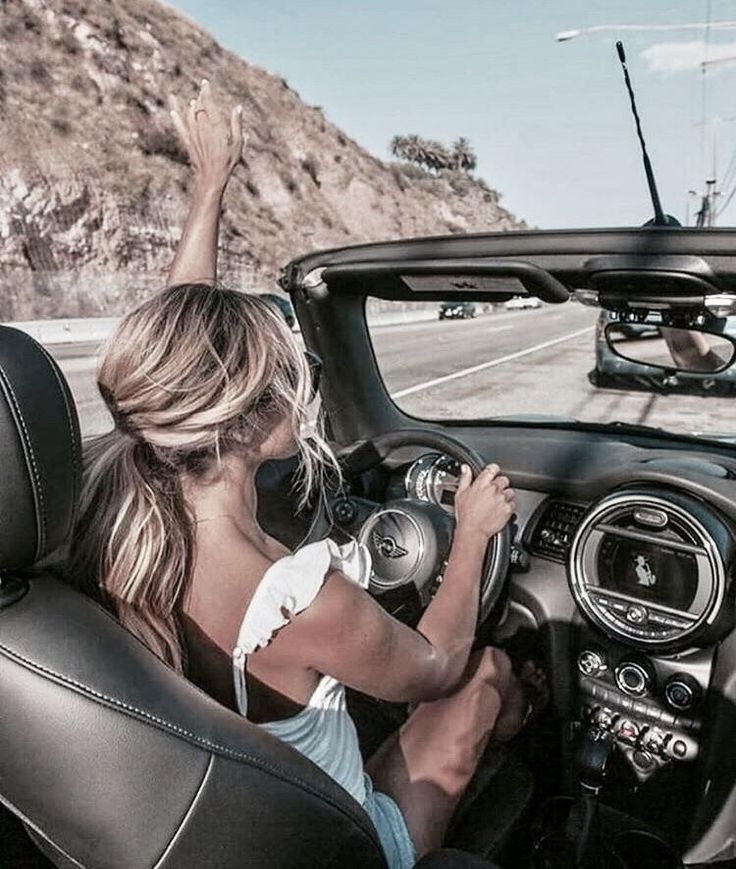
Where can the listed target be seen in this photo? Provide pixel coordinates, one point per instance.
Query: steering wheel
(409, 540)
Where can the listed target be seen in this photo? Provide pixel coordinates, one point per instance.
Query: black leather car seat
(109, 757)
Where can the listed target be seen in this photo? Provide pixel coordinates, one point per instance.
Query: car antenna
(660, 218)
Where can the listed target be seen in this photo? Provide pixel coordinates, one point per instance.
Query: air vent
(554, 530)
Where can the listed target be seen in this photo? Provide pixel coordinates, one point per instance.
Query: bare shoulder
(228, 570)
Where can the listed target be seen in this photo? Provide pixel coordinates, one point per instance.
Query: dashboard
(630, 580)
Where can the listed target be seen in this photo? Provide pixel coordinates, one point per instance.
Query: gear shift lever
(590, 760)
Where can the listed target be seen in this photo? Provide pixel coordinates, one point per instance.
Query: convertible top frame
(329, 289)
(571, 257)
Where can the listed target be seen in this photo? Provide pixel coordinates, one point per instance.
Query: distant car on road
(283, 305)
(519, 302)
(456, 311)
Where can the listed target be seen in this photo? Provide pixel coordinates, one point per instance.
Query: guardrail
(84, 331)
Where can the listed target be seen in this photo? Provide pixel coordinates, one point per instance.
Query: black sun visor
(424, 280)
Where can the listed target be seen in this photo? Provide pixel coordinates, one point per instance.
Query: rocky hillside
(93, 185)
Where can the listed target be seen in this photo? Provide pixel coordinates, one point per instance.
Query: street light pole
(567, 35)
(729, 59)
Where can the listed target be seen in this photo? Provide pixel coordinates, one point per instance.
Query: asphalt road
(499, 364)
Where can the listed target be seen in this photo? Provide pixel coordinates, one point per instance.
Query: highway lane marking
(489, 316)
(492, 363)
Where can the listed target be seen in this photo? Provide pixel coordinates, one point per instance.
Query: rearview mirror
(689, 350)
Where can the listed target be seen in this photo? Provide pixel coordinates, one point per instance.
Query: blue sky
(550, 121)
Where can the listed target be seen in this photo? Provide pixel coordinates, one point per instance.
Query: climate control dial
(682, 692)
(592, 663)
(634, 678)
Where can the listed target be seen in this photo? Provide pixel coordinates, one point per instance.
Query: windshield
(535, 361)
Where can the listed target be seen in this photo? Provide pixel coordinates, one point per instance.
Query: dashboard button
(654, 741)
(633, 678)
(679, 748)
(651, 517)
(344, 511)
(604, 718)
(637, 615)
(643, 760)
(591, 663)
(627, 731)
(682, 691)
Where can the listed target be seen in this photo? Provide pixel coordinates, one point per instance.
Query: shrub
(38, 72)
(408, 171)
(163, 143)
(459, 182)
(115, 34)
(289, 183)
(61, 125)
(32, 23)
(311, 167)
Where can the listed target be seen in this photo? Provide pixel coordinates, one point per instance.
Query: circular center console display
(650, 568)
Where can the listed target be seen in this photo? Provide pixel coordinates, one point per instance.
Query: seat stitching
(38, 490)
(187, 814)
(197, 740)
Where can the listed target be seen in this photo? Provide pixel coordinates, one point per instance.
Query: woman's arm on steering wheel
(214, 146)
(347, 634)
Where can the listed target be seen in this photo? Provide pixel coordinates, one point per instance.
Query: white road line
(464, 372)
(482, 318)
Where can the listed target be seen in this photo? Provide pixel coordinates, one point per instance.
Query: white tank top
(323, 731)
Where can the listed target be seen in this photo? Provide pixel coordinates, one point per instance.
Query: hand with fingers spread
(483, 506)
(213, 142)
(214, 145)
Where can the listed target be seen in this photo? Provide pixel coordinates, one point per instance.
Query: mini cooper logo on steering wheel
(387, 546)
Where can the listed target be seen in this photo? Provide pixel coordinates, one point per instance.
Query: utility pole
(711, 183)
(708, 209)
(707, 214)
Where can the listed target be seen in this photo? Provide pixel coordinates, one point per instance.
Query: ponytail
(134, 541)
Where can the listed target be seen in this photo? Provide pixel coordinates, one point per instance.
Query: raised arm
(214, 146)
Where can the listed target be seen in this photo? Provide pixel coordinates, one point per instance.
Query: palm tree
(426, 153)
(463, 156)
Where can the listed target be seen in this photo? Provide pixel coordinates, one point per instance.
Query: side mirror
(694, 351)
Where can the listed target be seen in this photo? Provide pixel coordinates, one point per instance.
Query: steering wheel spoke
(409, 540)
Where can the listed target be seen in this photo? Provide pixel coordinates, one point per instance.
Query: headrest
(40, 452)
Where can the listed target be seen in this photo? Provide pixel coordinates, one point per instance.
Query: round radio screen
(648, 572)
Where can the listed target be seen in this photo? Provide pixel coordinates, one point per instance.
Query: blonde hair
(191, 376)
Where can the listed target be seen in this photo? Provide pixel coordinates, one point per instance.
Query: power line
(731, 194)
(704, 84)
(728, 175)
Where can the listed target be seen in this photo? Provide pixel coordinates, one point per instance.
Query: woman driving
(204, 384)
